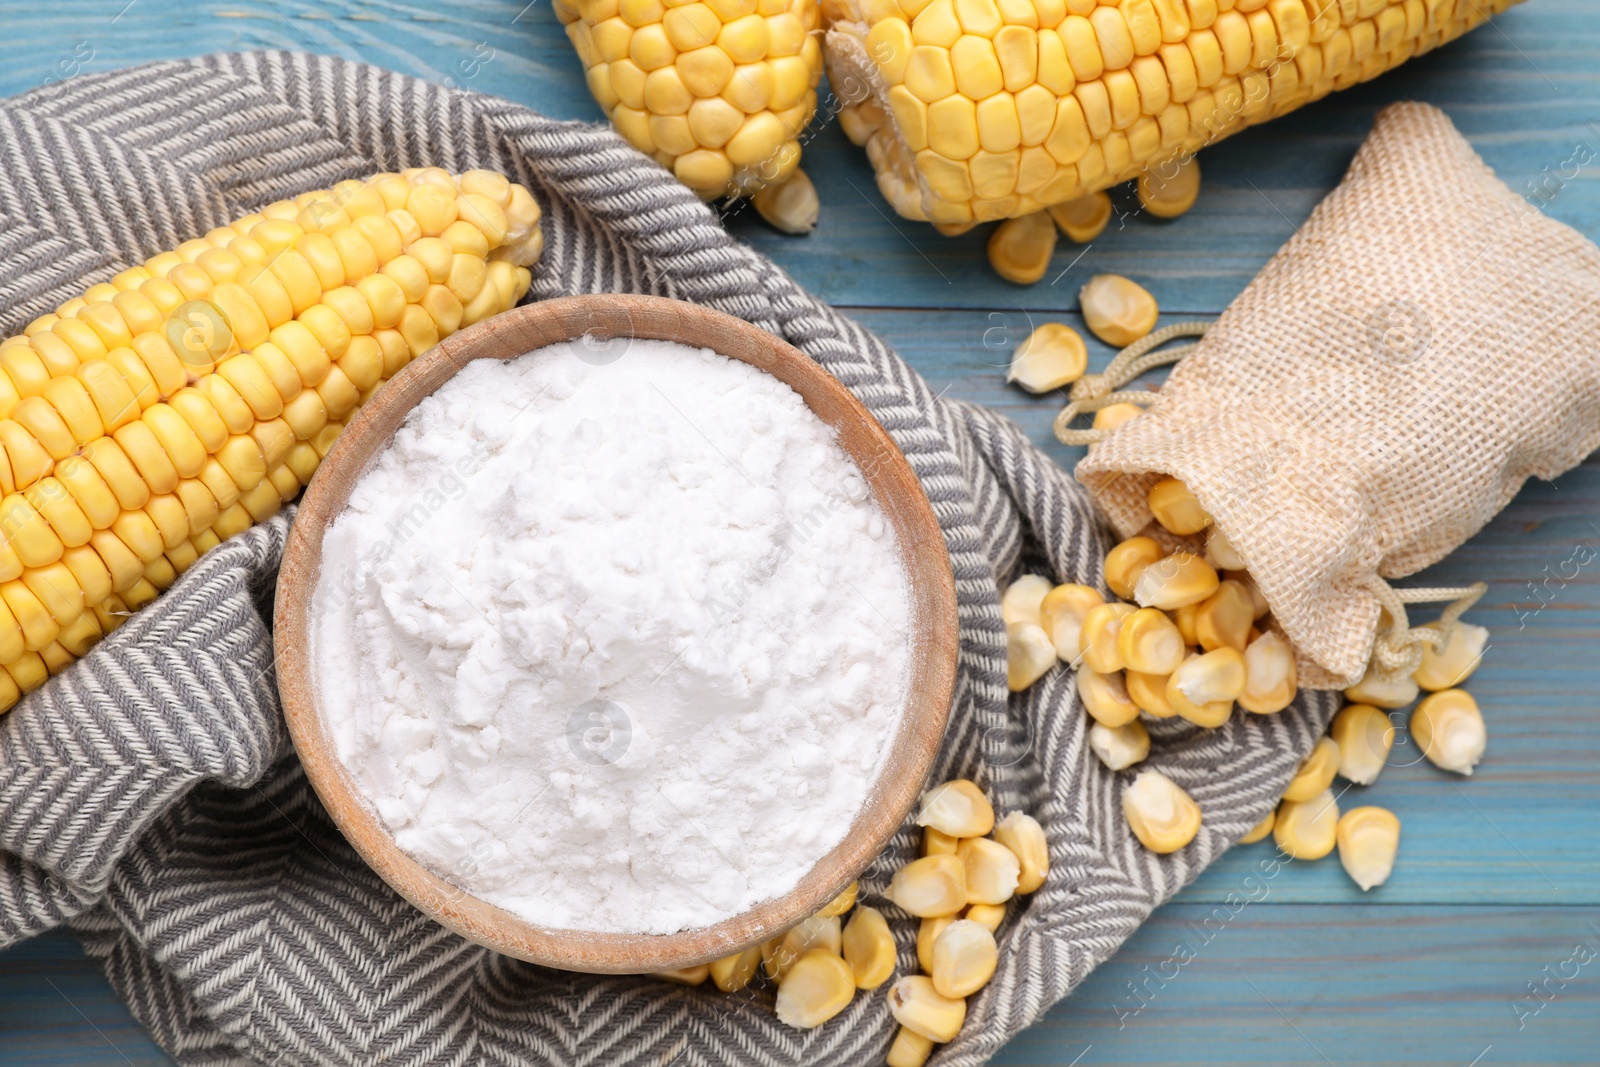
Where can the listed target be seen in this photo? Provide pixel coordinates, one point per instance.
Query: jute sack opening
(1426, 342)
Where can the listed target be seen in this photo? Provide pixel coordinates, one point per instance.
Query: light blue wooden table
(1497, 892)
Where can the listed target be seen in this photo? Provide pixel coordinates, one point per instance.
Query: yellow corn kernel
(817, 987)
(1176, 509)
(57, 589)
(140, 445)
(1368, 839)
(1220, 553)
(816, 932)
(790, 206)
(1102, 627)
(1050, 357)
(1365, 736)
(1174, 582)
(39, 627)
(1062, 613)
(1204, 687)
(1105, 697)
(1022, 834)
(1083, 219)
(930, 887)
(1307, 829)
(958, 808)
(1127, 561)
(1117, 310)
(843, 902)
(1453, 662)
(1029, 655)
(1113, 415)
(1020, 248)
(868, 948)
(1260, 830)
(39, 417)
(1148, 642)
(1383, 691)
(690, 976)
(1271, 678)
(1223, 619)
(27, 532)
(1022, 599)
(1316, 771)
(733, 973)
(1149, 692)
(29, 460)
(963, 959)
(1120, 747)
(938, 843)
(992, 870)
(1449, 729)
(919, 1007)
(909, 1049)
(1261, 607)
(28, 672)
(988, 916)
(928, 931)
(1161, 815)
(1169, 189)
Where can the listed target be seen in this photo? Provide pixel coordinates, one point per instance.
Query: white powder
(613, 637)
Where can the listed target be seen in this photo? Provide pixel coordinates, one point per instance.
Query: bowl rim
(934, 631)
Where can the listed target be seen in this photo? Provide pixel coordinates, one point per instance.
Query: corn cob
(185, 400)
(717, 92)
(974, 110)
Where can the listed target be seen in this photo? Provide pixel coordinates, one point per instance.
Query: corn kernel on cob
(189, 397)
(717, 91)
(991, 109)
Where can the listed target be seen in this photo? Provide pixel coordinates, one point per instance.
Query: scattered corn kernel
(1316, 771)
(1307, 829)
(1365, 736)
(1029, 654)
(1180, 579)
(1176, 509)
(1098, 638)
(812, 933)
(1449, 729)
(1149, 692)
(868, 947)
(1050, 357)
(1249, 583)
(1023, 598)
(733, 973)
(1022, 834)
(1113, 415)
(958, 808)
(1117, 310)
(1220, 552)
(1120, 747)
(843, 902)
(1148, 642)
(993, 870)
(1260, 830)
(1105, 697)
(919, 1007)
(1083, 219)
(964, 959)
(1393, 691)
(1454, 662)
(928, 932)
(988, 916)
(791, 205)
(1169, 189)
(1020, 249)
(938, 843)
(1271, 677)
(1162, 816)
(685, 975)
(1127, 561)
(1368, 840)
(816, 988)
(909, 1049)
(1204, 687)
(1062, 613)
(1222, 620)
(930, 887)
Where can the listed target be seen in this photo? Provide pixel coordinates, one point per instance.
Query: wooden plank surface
(1498, 875)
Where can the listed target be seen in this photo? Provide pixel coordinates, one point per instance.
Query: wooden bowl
(934, 639)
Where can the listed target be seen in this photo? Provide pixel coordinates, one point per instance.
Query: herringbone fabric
(147, 795)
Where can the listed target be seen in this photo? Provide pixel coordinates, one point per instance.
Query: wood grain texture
(1498, 876)
(933, 639)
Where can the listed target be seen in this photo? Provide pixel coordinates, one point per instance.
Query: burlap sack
(1426, 342)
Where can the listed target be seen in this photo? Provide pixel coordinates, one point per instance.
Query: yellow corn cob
(188, 398)
(973, 110)
(717, 92)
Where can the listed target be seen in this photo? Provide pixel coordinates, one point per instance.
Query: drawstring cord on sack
(1397, 649)
(1095, 391)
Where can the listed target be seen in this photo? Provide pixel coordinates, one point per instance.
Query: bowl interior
(890, 479)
